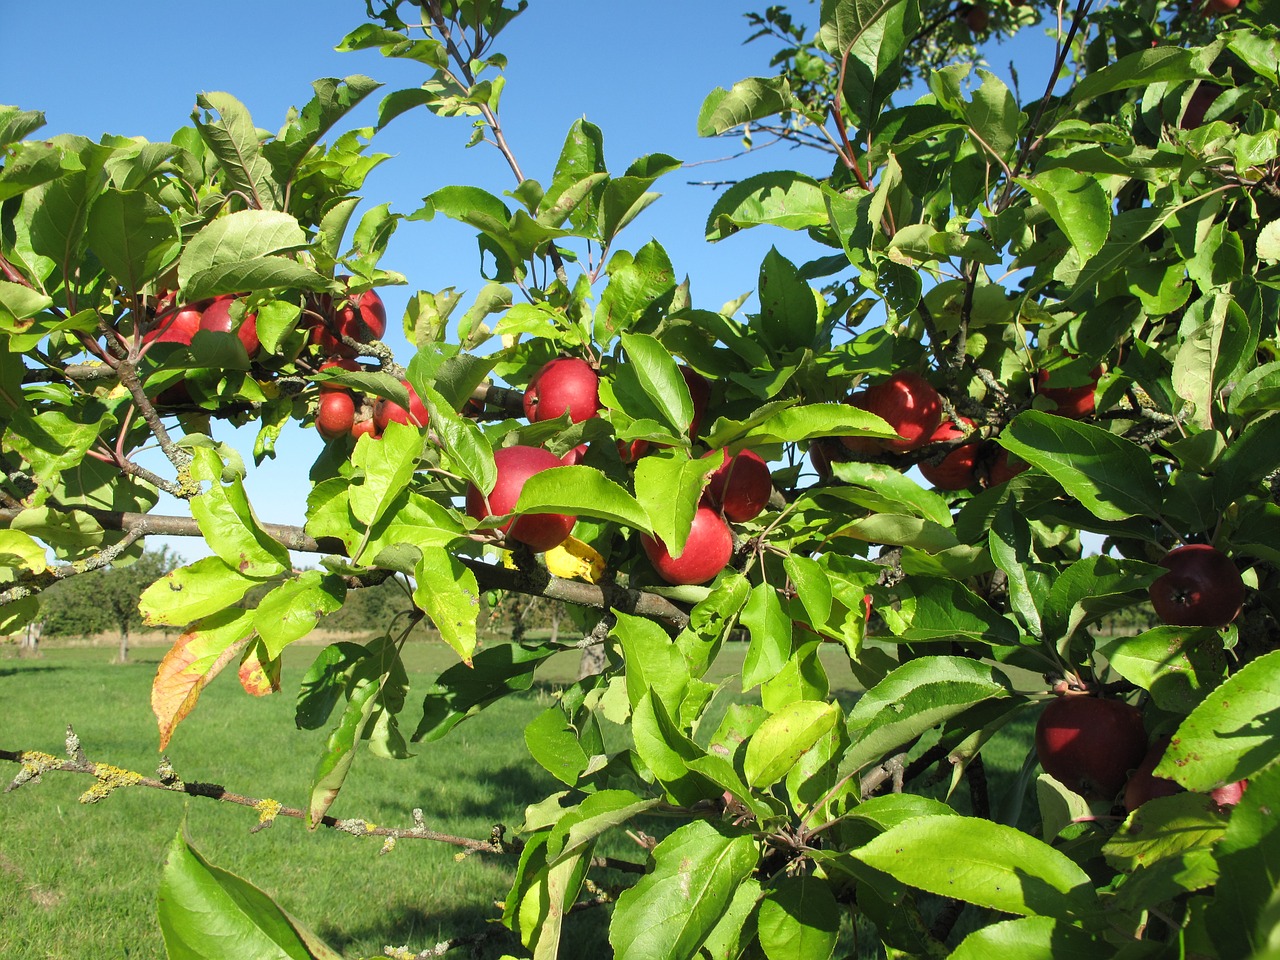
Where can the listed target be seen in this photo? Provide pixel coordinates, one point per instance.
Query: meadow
(78, 879)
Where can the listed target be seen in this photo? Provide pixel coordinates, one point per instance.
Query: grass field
(78, 880)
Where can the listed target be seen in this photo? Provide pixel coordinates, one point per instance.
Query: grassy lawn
(79, 880)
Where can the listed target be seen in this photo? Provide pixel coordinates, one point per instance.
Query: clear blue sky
(640, 72)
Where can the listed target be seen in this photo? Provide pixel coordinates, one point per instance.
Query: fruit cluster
(737, 491)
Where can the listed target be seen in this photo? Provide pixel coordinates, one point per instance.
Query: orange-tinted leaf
(197, 657)
(260, 677)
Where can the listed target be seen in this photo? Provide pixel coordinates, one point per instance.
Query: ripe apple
(1090, 744)
(339, 363)
(823, 452)
(385, 411)
(1203, 588)
(516, 464)
(1075, 403)
(741, 485)
(1142, 785)
(700, 393)
(1228, 795)
(706, 552)
(217, 317)
(575, 456)
(1201, 100)
(955, 471)
(365, 426)
(908, 403)
(1213, 8)
(566, 384)
(175, 324)
(976, 18)
(1004, 466)
(335, 414)
(362, 318)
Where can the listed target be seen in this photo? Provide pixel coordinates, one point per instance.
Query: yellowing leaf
(197, 657)
(573, 558)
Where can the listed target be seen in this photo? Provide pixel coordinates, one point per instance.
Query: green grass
(77, 877)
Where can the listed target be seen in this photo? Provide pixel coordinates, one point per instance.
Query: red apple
(1203, 588)
(908, 403)
(366, 426)
(1201, 100)
(1090, 744)
(564, 385)
(1143, 785)
(1228, 795)
(362, 318)
(1075, 403)
(823, 452)
(335, 414)
(633, 451)
(706, 552)
(976, 18)
(541, 531)
(700, 393)
(955, 471)
(1004, 466)
(741, 485)
(341, 363)
(176, 325)
(217, 317)
(385, 411)
(575, 456)
(1213, 8)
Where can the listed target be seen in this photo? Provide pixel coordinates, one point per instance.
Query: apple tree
(1060, 306)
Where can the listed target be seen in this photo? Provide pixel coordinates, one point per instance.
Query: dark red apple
(575, 456)
(908, 403)
(1090, 744)
(976, 18)
(1203, 588)
(541, 531)
(563, 385)
(385, 411)
(706, 552)
(1003, 466)
(1213, 8)
(1143, 785)
(1076, 403)
(335, 414)
(955, 471)
(1201, 100)
(741, 485)
(700, 393)
(823, 452)
(362, 318)
(217, 317)
(633, 451)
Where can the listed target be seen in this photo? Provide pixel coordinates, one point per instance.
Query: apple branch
(488, 576)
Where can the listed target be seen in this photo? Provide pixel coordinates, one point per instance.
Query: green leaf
(233, 139)
(1031, 938)
(770, 629)
(229, 527)
(780, 742)
(812, 586)
(601, 811)
(447, 592)
(19, 303)
(670, 912)
(1248, 856)
(1162, 63)
(1091, 588)
(1245, 461)
(206, 913)
(938, 608)
(553, 743)
(752, 99)
(19, 550)
(985, 863)
(386, 466)
(1211, 352)
(1165, 828)
(661, 379)
(132, 235)
(464, 690)
(652, 661)
(1111, 476)
(1232, 734)
(873, 68)
(292, 610)
(324, 682)
(1178, 665)
(670, 486)
(582, 492)
(913, 698)
(192, 592)
(788, 311)
(667, 752)
(795, 424)
(799, 919)
(778, 198)
(234, 240)
(365, 684)
(1078, 205)
(333, 100)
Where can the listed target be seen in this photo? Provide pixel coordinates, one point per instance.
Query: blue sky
(641, 77)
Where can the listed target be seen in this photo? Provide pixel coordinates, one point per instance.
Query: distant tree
(105, 599)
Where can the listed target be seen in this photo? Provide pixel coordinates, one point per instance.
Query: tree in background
(1058, 307)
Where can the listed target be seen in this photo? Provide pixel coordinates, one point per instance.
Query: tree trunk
(556, 610)
(592, 661)
(124, 643)
(30, 645)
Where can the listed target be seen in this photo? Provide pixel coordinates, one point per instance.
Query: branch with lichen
(109, 778)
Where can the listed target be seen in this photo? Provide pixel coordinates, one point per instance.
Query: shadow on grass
(28, 667)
